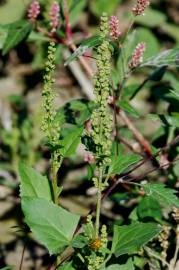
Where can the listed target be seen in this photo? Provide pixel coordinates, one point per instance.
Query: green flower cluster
(94, 262)
(49, 126)
(101, 117)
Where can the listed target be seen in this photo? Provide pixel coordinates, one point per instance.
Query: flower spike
(54, 16)
(140, 7)
(137, 56)
(114, 27)
(33, 11)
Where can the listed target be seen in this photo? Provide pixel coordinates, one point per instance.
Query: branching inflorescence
(101, 117)
(49, 125)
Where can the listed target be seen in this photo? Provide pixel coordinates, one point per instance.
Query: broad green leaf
(129, 91)
(152, 44)
(100, 6)
(33, 184)
(70, 141)
(129, 239)
(152, 18)
(85, 45)
(52, 225)
(127, 107)
(37, 36)
(165, 58)
(149, 207)
(165, 196)
(75, 112)
(121, 163)
(80, 241)
(125, 54)
(6, 268)
(12, 10)
(171, 30)
(66, 266)
(140, 262)
(3, 35)
(158, 74)
(17, 32)
(127, 266)
(155, 76)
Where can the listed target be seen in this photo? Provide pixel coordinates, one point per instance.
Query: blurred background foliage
(154, 110)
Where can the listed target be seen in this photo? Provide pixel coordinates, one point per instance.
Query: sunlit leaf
(165, 196)
(85, 45)
(165, 58)
(129, 239)
(33, 184)
(52, 225)
(17, 32)
(121, 163)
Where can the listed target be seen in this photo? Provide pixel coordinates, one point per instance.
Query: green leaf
(130, 238)
(100, 6)
(85, 45)
(152, 44)
(52, 225)
(127, 266)
(66, 266)
(6, 268)
(75, 112)
(171, 30)
(165, 196)
(17, 32)
(152, 18)
(139, 35)
(12, 10)
(3, 35)
(158, 74)
(70, 141)
(121, 163)
(33, 184)
(125, 105)
(165, 58)
(129, 91)
(80, 241)
(149, 207)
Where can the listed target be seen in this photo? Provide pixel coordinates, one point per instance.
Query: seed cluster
(49, 126)
(163, 239)
(101, 118)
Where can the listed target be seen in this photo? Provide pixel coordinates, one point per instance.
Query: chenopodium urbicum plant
(90, 244)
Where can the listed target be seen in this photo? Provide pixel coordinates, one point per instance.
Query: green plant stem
(54, 183)
(54, 179)
(98, 206)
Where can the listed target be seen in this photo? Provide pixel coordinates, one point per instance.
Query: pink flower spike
(89, 158)
(54, 16)
(33, 11)
(114, 27)
(140, 7)
(137, 56)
